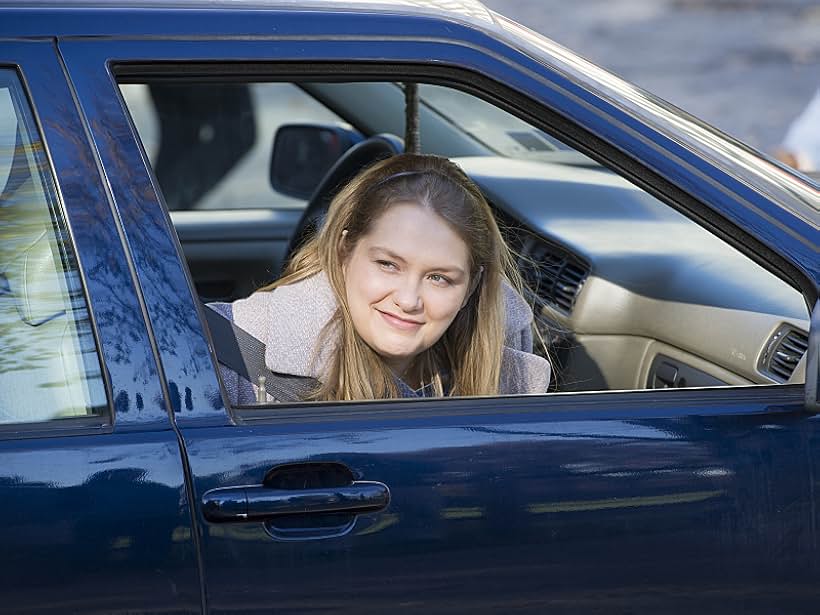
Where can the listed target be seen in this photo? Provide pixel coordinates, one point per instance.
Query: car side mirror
(813, 362)
(304, 153)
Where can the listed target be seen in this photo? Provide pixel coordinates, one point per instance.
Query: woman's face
(405, 281)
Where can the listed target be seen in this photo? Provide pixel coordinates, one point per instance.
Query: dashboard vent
(552, 274)
(783, 353)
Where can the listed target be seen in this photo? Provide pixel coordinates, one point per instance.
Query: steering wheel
(361, 155)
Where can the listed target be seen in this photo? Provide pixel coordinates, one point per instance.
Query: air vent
(552, 274)
(783, 352)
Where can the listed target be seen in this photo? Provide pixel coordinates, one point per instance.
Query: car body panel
(96, 524)
(541, 504)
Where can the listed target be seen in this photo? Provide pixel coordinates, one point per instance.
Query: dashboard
(635, 294)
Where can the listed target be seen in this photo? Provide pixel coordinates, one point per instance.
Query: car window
(627, 292)
(49, 368)
(504, 133)
(210, 144)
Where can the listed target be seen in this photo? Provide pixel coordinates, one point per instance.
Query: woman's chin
(396, 359)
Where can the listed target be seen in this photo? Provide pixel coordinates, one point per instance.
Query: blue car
(159, 156)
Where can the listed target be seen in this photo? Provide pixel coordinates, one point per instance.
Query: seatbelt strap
(238, 350)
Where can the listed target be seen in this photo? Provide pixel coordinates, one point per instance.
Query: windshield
(499, 131)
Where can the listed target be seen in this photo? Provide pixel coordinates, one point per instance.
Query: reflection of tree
(125, 345)
(164, 284)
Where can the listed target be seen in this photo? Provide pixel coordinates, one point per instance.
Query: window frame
(527, 110)
(584, 406)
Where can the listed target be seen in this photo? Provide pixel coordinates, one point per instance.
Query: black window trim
(615, 405)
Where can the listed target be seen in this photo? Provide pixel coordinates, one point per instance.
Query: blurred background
(748, 67)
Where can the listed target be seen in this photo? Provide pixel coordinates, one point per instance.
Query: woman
(407, 290)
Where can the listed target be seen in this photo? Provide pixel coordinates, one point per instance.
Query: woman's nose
(407, 296)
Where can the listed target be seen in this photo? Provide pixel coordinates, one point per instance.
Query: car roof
(464, 10)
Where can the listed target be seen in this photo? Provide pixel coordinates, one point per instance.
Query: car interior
(628, 292)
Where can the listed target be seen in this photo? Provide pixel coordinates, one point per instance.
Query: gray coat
(290, 321)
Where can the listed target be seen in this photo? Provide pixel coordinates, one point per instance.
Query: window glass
(627, 292)
(49, 368)
(210, 144)
(504, 133)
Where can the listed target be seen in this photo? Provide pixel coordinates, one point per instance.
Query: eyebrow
(373, 250)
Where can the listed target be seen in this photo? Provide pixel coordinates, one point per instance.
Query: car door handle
(258, 502)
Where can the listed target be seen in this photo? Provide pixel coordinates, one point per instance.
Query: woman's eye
(437, 278)
(387, 265)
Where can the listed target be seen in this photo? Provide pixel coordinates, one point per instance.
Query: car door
(673, 500)
(95, 514)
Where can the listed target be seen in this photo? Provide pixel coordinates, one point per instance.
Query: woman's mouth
(402, 324)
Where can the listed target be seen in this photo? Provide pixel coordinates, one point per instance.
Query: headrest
(27, 260)
(35, 282)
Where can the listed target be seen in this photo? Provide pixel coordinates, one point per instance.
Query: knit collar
(292, 322)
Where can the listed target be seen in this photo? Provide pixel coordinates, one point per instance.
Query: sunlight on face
(405, 281)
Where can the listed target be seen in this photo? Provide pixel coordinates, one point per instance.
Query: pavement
(747, 67)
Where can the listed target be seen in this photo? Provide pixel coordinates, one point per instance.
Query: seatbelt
(238, 350)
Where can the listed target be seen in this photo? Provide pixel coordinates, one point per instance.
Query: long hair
(466, 360)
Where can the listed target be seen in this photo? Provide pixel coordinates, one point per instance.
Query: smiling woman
(413, 294)
(405, 282)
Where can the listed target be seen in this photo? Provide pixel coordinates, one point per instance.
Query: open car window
(207, 143)
(628, 292)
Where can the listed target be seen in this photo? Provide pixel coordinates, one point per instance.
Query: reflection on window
(49, 368)
(502, 132)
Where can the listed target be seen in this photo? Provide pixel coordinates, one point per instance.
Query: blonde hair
(466, 360)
